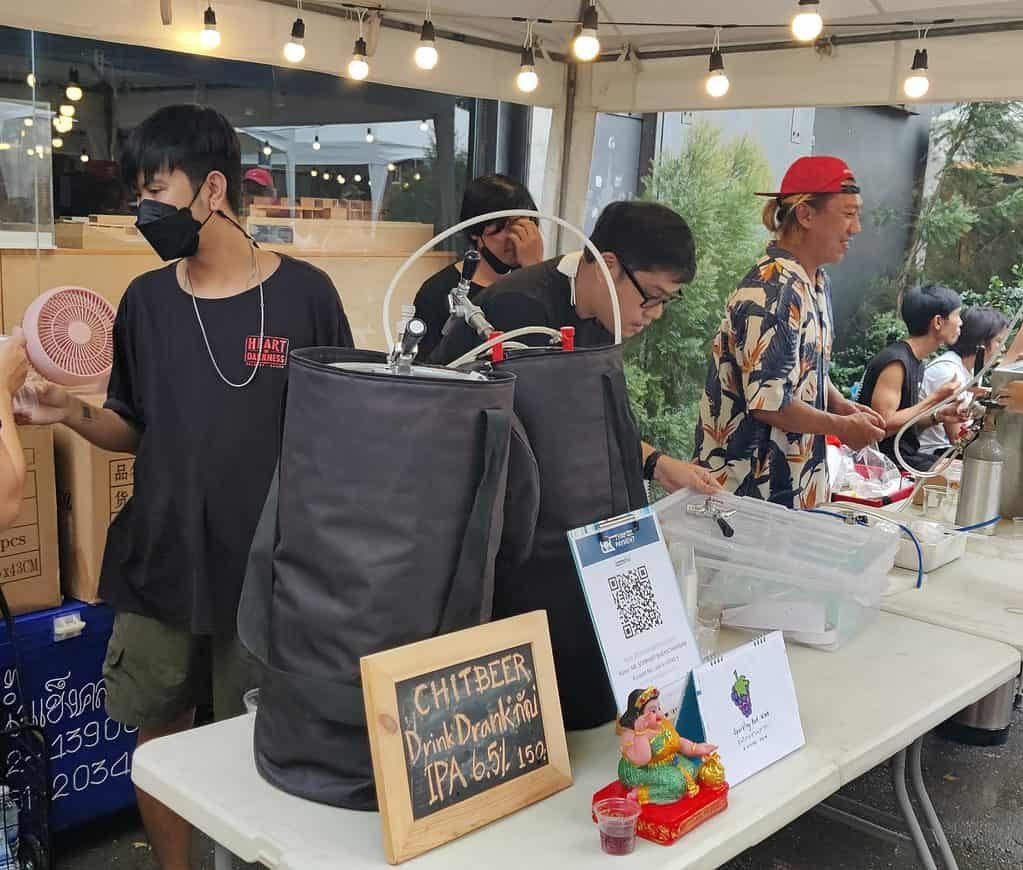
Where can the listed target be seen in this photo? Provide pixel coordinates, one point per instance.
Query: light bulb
(717, 81)
(316, 143)
(30, 80)
(527, 80)
(267, 150)
(57, 142)
(417, 177)
(29, 122)
(358, 68)
(294, 48)
(717, 84)
(85, 156)
(424, 127)
(73, 91)
(917, 83)
(67, 110)
(356, 178)
(586, 45)
(314, 173)
(370, 138)
(405, 186)
(391, 167)
(341, 179)
(209, 38)
(64, 125)
(807, 24)
(426, 52)
(326, 176)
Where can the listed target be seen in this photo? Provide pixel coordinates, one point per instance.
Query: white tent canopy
(974, 56)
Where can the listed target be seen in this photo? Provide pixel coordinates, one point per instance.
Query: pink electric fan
(69, 337)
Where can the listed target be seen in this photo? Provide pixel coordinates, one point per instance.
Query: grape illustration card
(748, 706)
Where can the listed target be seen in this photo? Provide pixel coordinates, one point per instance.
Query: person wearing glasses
(769, 402)
(650, 253)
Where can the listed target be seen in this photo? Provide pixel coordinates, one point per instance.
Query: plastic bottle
(9, 820)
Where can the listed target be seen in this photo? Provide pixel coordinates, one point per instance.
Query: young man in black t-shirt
(200, 355)
(892, 380)
(650, 253)
(504, 246)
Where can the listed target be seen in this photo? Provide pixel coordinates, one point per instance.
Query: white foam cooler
(812, 576)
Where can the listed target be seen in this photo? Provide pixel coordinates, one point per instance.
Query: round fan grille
(69, 333)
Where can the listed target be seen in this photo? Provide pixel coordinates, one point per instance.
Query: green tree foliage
(712, 185)
(967, 232)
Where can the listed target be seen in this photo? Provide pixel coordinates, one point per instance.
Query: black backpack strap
(463, 606)
(330, 699)
(622, 431)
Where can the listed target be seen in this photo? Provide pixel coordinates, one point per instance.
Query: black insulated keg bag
(381, 528)
(576, 412)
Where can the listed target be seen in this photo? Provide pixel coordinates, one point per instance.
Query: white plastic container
(948, 547)
(814, 577)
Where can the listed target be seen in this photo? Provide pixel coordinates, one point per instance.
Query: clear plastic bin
(814, 577)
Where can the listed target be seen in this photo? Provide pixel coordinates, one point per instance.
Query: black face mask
(499, 266)
(172, 232)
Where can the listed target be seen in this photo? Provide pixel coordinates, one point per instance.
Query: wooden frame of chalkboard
(464, 728)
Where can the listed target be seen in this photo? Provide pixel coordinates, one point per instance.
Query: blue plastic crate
(90, 755)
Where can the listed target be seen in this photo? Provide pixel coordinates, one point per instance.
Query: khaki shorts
(155, 673)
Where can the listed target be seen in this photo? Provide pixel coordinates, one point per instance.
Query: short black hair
(195, 139)
(493, 193)
(981, 324)
(920, 305)
(647, 237)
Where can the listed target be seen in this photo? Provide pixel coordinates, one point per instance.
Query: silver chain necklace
(205, 337)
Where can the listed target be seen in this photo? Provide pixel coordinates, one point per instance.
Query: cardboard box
(93, 485)
(29, 560)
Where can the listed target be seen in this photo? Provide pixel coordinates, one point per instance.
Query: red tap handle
(497, 351)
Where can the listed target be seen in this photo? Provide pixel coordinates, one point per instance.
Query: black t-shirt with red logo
(177, 551)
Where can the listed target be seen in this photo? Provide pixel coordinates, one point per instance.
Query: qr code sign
(634, 597)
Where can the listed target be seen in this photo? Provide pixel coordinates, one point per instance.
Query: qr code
(634, 597)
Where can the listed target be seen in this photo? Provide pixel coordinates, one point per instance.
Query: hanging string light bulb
(67, 110)
(73, 91)
(917, 83)
(294, 48)
(267, 150)
(209, 37)
(586, 45)
(358, 66)
(391, 167)
(717, 82)
(341, 179)
(84, 156)
(424, 127)
(30, 80)
(357, 178)
(807, 23)
(370, 138)
(57, 142)
(326, 176)
(314, 173)
(426, 56)
(527, 80)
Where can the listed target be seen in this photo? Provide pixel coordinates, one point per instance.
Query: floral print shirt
(774, 346)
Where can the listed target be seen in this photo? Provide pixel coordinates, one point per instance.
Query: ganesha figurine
(677, 782)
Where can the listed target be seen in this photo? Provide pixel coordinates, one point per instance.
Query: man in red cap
(257, 181)
(769, 402)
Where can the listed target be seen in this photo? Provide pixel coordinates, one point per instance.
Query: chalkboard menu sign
(470, 725)
(464, 728)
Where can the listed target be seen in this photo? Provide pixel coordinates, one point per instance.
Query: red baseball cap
(817, 175)
(260, 176)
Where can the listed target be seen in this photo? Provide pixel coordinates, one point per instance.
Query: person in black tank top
(891, 383)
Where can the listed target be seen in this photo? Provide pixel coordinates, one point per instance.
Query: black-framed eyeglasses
(648, 300)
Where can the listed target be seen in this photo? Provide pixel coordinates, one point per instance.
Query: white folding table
(860, 705)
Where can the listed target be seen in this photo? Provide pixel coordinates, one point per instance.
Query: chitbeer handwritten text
(470, 727)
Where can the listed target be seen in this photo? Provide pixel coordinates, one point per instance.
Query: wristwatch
(934, 418)
(651, 464)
